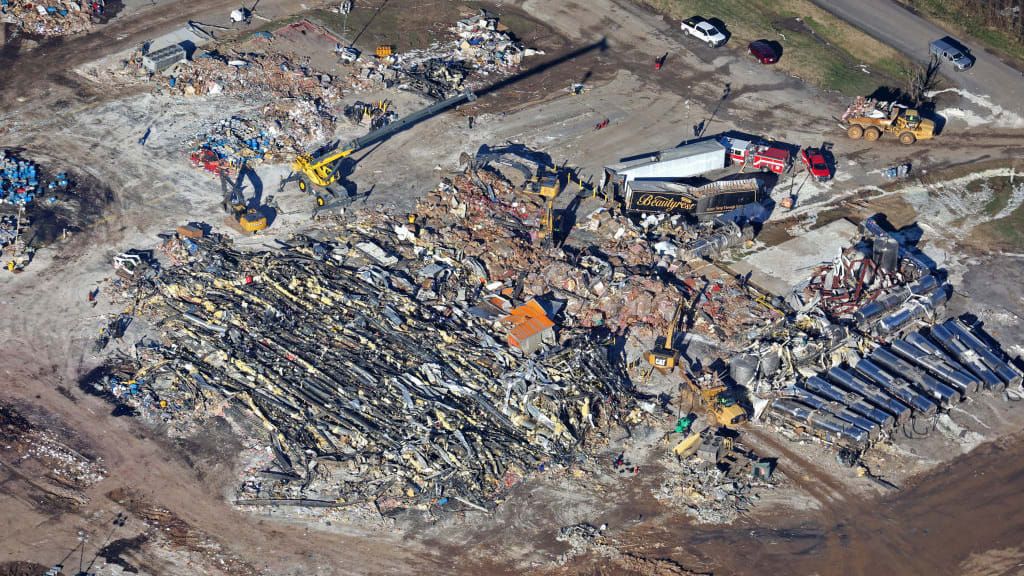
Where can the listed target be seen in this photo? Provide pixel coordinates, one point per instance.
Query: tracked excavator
(318, 173)
(249, 216)
(664, 356)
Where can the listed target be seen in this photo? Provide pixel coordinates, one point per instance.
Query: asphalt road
(909, 33)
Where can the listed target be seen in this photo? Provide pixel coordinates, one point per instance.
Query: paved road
(910, 34)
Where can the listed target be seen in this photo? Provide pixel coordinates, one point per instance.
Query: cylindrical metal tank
(771, 359)
(1005, 372)
(836, 409)
(941, 393)
(922, 342)
(896, 387)
(946, 370)
(879, 306)
(870, 391)
(820, 423)
(858, 405)
(743, 368)
(886, 253)
(967, 357)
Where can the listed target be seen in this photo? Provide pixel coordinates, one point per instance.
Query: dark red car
(814, 159)
(764, 51)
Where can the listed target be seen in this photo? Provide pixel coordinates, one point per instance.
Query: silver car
(952, 53)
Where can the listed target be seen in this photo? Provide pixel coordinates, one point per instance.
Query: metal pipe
(945, 395)
(949, 372)
(869, 391)
(898, 388)
(858, 405)
(966, 356)
(836, 409)
(963, 333)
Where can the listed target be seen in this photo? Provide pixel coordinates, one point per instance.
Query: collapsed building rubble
(323, 341)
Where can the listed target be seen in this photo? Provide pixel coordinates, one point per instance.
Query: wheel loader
(721, 403)
(904, 123)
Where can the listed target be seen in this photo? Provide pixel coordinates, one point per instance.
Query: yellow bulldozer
(870, 123)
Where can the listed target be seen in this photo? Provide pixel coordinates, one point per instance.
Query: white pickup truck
(704, 31)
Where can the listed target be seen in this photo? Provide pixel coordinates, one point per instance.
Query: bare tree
(923, 79)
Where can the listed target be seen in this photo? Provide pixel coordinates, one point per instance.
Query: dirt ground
(174, 492)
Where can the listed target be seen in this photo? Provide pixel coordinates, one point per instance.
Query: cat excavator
(318, 172)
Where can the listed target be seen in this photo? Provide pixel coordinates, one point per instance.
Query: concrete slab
(781, 268)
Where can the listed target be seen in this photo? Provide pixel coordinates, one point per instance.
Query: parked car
(814, 160)
(764, 51)
(704, 31)
(951, 51)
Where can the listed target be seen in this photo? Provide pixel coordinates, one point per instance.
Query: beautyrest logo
(664, 202)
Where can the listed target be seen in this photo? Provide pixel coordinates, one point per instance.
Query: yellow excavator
(664, 356)
(547, 185)
(319, 172)
(250, 216)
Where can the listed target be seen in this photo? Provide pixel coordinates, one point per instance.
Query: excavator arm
(322, 169)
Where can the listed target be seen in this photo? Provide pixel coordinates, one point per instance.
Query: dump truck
(869, 119)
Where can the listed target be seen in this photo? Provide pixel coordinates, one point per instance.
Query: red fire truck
(758, 156)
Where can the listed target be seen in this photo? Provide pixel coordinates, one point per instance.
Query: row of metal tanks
(912, 378)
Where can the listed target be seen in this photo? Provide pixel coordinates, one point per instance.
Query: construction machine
(547, 185)
(871, 122)
(319, 172)
(249, 216)
(720, 402)
(664, 356)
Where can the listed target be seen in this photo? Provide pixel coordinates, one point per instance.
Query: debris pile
(256, 77)
(707, 495)
(231, 143)
(868, 108)
(20, 180)
(580, 538)
(481, 46)
(717, 483)
(324, 343)
(867, 355)
(56, 18)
